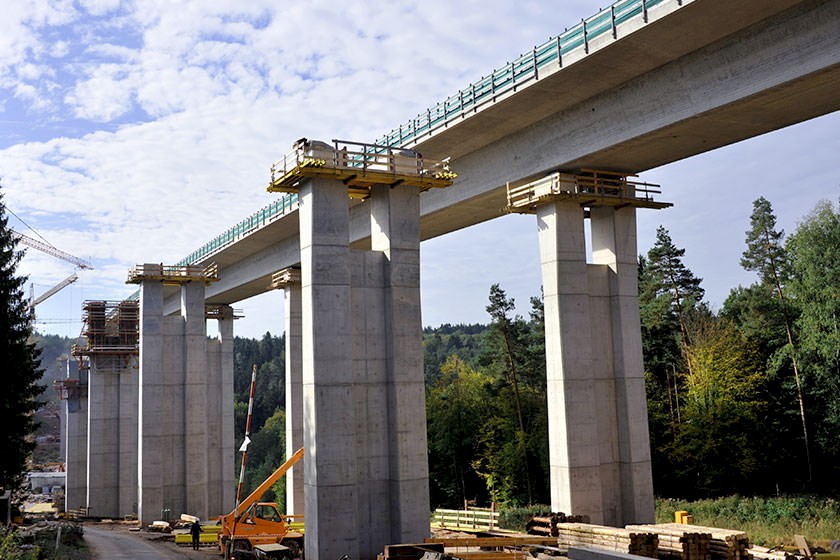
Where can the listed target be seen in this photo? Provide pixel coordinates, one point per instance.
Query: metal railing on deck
(258, 219)
(521, 71)
(357, 158)
(508, 78)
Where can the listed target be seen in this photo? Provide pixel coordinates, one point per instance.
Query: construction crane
(58, 253)
(50, 250)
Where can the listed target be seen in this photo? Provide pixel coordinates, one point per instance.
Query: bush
(767, 521)
(516, 518)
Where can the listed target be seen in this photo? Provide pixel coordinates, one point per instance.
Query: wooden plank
(490, 541)
(802, 545)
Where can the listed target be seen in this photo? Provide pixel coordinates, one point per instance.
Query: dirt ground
(163, 541)
(166, 543)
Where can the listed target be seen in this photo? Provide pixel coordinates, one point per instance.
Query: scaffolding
(110, 335)
(359, 166)
(588, 187)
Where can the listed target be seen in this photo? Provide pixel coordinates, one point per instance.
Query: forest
(744, 399)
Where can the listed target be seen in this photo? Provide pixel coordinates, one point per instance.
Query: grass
(767, 521)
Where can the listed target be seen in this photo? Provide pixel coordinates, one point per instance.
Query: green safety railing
(258, 219)
(501, 81)
(519, 72)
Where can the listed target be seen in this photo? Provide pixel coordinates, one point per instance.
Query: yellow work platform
(359, 166)
(588, 188)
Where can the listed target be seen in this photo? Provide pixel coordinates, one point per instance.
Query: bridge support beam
(294, 392)
(366, 471)
(598, 449)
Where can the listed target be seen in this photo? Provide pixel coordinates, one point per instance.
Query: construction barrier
(470, 519)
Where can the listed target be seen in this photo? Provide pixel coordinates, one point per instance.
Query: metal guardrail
(519, 72)
(515, 74)
(258, 219)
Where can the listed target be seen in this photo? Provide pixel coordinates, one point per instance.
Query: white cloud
(224, 87)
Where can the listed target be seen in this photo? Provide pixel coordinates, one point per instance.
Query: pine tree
(673, 278)
(20, 363)
(766, 256)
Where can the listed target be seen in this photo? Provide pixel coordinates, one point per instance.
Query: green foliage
(457, 405)
(720, 436)
(487, 420)
(515, 518)
(21, 364)
(768, 521)
(765, 252)
(267, 449)
(814, 251)
(464, 341)
(12, 549)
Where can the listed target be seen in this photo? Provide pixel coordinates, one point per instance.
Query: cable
(33, 230)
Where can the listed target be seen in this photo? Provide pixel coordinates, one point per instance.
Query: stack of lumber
(762, 553)
(695, 542)
(488, 548)
(547, 524)
(640, 543)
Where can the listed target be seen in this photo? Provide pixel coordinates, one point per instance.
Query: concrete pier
(598, 447)
(366, 467)
(186, 406)
(330, 490)
(75, 431)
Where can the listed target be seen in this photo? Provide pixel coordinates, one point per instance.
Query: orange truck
(257, 529)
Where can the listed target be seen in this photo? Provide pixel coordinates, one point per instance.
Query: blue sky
(134, 132)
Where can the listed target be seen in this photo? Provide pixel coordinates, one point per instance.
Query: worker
(195, 531)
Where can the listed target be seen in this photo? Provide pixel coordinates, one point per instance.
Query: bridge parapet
(590, 187)
(358, 165)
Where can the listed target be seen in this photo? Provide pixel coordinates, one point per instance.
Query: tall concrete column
(196, 396)
(103, 459)
(152, 396)
(174, 418)
(573, 425)
(227, 445)
(614, 245)
(371, 401)
(330, 457)
(218, 416)
(125, 372)
(395, 231)
(75, 459)
(294, 391)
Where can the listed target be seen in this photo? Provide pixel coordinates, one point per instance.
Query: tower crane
(58, 253)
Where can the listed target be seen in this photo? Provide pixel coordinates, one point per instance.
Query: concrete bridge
(638, 85)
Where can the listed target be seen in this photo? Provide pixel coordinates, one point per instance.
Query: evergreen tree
(766, 256)
(673, 280)
(20, 362)
(668, 294)
(506, 336)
